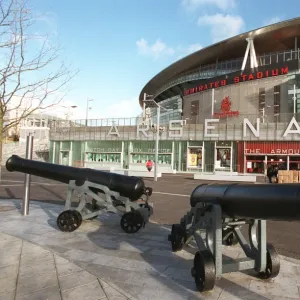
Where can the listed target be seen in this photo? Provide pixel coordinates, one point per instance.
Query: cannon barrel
(252, 201)
(128, 186)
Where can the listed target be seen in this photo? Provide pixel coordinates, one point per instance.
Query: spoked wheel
(273, 263)
(69, 220)
(230, 239)
(204, 271)
(177, 237)
(132, 222)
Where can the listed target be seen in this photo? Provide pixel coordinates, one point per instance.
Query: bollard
(29, 148)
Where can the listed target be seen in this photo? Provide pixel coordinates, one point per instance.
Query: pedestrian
(149, 165)
(270, 173)
(275, 173)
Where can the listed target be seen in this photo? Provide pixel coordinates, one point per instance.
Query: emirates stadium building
(231, 107)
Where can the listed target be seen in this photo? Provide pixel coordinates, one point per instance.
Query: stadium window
(261, 100)
(276, 99)
(195, 108)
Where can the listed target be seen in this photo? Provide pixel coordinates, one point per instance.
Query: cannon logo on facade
(225, 109)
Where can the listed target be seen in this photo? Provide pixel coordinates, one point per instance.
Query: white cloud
(271, 21)
(222, 26)
(192, 5)
(156, 50)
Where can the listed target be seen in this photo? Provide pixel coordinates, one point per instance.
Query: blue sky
(118, 45)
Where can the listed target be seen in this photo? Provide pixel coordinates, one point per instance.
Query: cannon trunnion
(97, 190)
(218, 211)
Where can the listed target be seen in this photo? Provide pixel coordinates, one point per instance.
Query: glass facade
(191, 156)
(171, 109)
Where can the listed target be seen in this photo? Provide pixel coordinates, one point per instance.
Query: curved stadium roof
(275, 37)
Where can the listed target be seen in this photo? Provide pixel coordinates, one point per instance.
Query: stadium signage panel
(237, 77)
(176, 129)
(272, 148)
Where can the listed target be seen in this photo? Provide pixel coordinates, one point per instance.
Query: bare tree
(31, 77)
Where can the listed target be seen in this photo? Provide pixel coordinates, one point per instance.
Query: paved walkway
(100, 261)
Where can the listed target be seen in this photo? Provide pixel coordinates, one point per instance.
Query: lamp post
(157, 130)
(87, 110)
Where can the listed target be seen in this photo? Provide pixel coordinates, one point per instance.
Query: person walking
(149, 165)
(270, 173)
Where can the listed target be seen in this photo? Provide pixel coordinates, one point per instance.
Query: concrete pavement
(100, 261)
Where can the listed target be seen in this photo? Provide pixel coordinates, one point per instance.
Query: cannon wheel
(132, 222)
(273, 263)
(204, 271)
(231, 239)
(69, 220)
(177, 237)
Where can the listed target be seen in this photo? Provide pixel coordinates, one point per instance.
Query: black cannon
(124, 195)
(218, 211)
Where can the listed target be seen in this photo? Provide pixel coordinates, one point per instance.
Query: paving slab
(100, 261)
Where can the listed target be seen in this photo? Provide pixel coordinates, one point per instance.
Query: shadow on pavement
(50, 190)
(10, 193)
(141, 264)
(171, 269)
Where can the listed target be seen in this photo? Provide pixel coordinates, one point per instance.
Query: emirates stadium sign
(236, 77)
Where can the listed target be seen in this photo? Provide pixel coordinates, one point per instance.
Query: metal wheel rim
(68, 221)
(199, 274)
(131, 222)
(204, 271)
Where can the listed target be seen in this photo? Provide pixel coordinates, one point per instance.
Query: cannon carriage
(218, 213)
(124, 195)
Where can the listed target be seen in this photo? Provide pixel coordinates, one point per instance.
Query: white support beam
(246, 56)
(253, 60)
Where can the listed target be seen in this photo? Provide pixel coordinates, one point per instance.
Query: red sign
(288, 148)
(237, 79)
(225, 109)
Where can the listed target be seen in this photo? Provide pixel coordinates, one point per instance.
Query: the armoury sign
(237, 77)
(175, 129)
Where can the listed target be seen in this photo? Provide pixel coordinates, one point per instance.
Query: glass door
(64, 158)
(223, 159)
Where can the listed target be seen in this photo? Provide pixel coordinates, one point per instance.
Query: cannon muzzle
(252, 201)
(127, 186)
